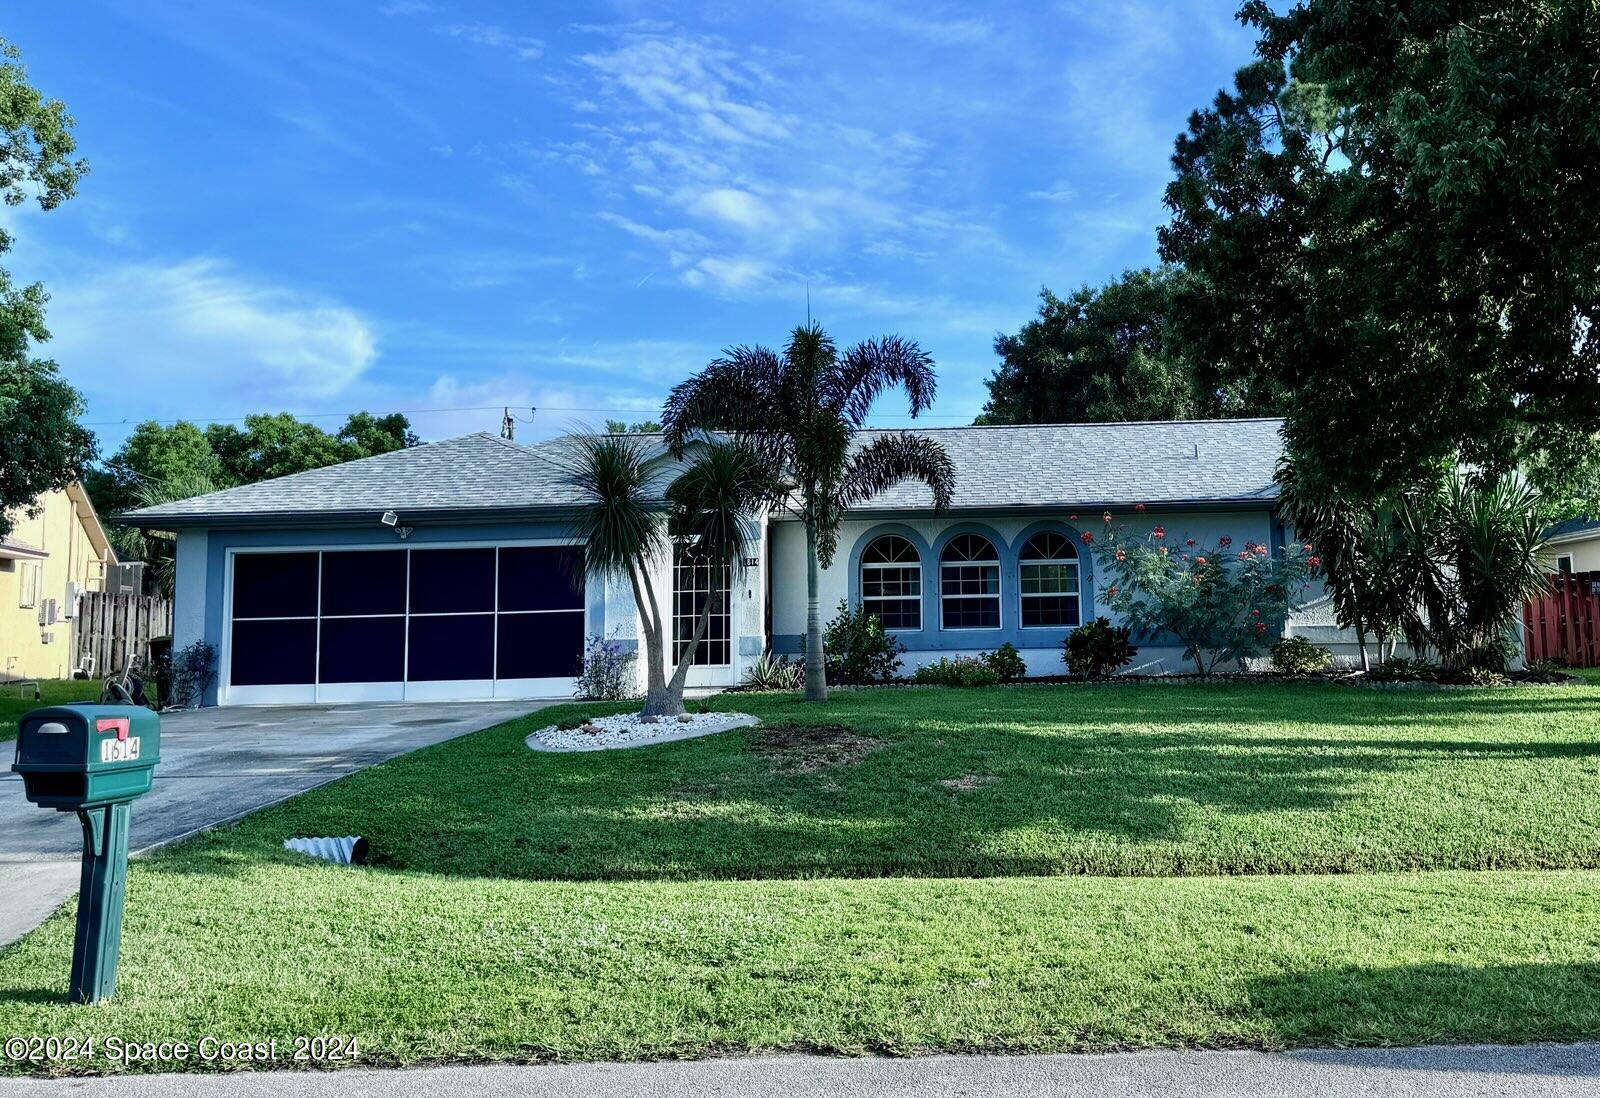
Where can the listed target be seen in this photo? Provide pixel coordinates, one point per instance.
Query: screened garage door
(389, 624)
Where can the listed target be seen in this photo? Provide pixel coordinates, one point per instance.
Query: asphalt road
(1447, 1072)
(217, 765)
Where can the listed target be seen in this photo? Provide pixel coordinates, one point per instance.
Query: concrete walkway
(1446, 1072)
(217, 765)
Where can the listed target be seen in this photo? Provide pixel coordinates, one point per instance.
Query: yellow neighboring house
(1572, 546)
(46, 561)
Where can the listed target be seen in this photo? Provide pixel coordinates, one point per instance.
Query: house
(1572, 546)
(447, 570)
(46, 562)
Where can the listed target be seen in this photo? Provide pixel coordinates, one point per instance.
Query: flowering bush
(1222, 604)
(607, 671)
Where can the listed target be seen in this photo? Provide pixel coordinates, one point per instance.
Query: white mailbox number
(119, 751)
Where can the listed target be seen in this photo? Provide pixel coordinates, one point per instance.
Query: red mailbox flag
(119, 725)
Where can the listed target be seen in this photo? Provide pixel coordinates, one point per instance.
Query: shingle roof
(1078, 464)
(1067, 465)
(475, 472)
(1570, 528)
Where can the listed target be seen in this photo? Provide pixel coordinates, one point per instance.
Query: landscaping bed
(902, 871)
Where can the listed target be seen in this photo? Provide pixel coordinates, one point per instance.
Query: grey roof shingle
(1573, 527)
(1068, 465)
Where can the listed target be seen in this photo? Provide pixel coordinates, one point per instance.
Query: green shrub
(771, 672)
(1404, 669)
(857, 650)
(1098, 649)
(1007, 663)
(958, 671)
(1551, 670)
(1298, 656)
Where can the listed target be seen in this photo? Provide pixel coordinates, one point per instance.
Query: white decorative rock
(632, 730)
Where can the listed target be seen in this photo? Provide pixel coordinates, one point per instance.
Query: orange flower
(1088, 538)
(1112, 590)
(1159, 532)
(1139, 507)
(1107, 517)
(1121, 555)
(1199, 560)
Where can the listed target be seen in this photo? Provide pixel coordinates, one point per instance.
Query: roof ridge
(1081, 423)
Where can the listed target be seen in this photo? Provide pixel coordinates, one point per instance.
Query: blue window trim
(931, 637)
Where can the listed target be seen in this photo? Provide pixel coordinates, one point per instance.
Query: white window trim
(1564, 557)
(727, 612)
(1023, 595)
(867, 600)
(998, 596)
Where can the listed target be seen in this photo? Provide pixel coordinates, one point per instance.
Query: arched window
(1048, 575)
(969, 583)
(891, 582)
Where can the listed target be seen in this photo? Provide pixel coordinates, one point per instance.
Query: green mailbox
(94, 760)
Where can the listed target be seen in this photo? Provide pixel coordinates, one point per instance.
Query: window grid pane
(691, 589)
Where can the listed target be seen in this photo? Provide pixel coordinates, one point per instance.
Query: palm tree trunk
(657, 703)
(680, 673)
(816, 673)
(1361, 643)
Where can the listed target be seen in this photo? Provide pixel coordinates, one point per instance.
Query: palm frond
(735, 394)
(622, 518)
(872, 366)
(715, 500)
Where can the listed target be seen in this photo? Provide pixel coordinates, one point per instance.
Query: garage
(453, 622)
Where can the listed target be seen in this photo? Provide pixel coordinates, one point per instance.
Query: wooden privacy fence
(108, 625)
(1565, 623)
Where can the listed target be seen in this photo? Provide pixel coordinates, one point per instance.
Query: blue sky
(406, 205)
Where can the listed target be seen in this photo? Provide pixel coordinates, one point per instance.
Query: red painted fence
(1565, 623)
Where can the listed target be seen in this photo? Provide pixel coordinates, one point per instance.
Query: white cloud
(522, 46)
(197, 337)
(740, 209)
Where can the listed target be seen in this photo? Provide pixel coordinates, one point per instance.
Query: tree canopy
(1390, 218)
(225, 455)
(1108, 353)
(45, 446)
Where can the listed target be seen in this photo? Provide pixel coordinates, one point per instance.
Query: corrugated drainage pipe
(340, 850)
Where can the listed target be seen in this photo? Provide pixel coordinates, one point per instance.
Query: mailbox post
(95, 760)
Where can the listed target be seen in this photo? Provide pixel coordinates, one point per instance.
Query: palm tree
(799, 413)
(632, 517)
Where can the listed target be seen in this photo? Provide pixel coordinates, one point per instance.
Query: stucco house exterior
(448, 570)
(1572, 546)
(47, 560)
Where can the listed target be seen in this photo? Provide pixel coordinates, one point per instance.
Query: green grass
(1121, 780)
(54, 691)
(702, 898)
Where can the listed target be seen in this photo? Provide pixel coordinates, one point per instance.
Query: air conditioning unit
(49, 612)
(126, 578)
(46, 638)
(69, 605)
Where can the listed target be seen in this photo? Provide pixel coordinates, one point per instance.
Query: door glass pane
(452, 647)
(273, 653)
(691, 589)
(541, 577)
(540, 646)
(363, 649)
(274, 585)
(364, 583)
(452, 581)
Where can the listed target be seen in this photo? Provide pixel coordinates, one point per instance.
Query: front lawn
(902, 882)
(14, 703)
(1034, 780)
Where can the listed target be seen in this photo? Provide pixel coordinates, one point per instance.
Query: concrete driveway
(218, 765)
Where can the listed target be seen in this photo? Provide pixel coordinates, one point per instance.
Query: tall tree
(45, 446)
(1391, 217)
(800, 411)
(1108, 353)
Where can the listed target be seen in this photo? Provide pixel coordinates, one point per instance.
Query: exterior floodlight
(389, 518)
